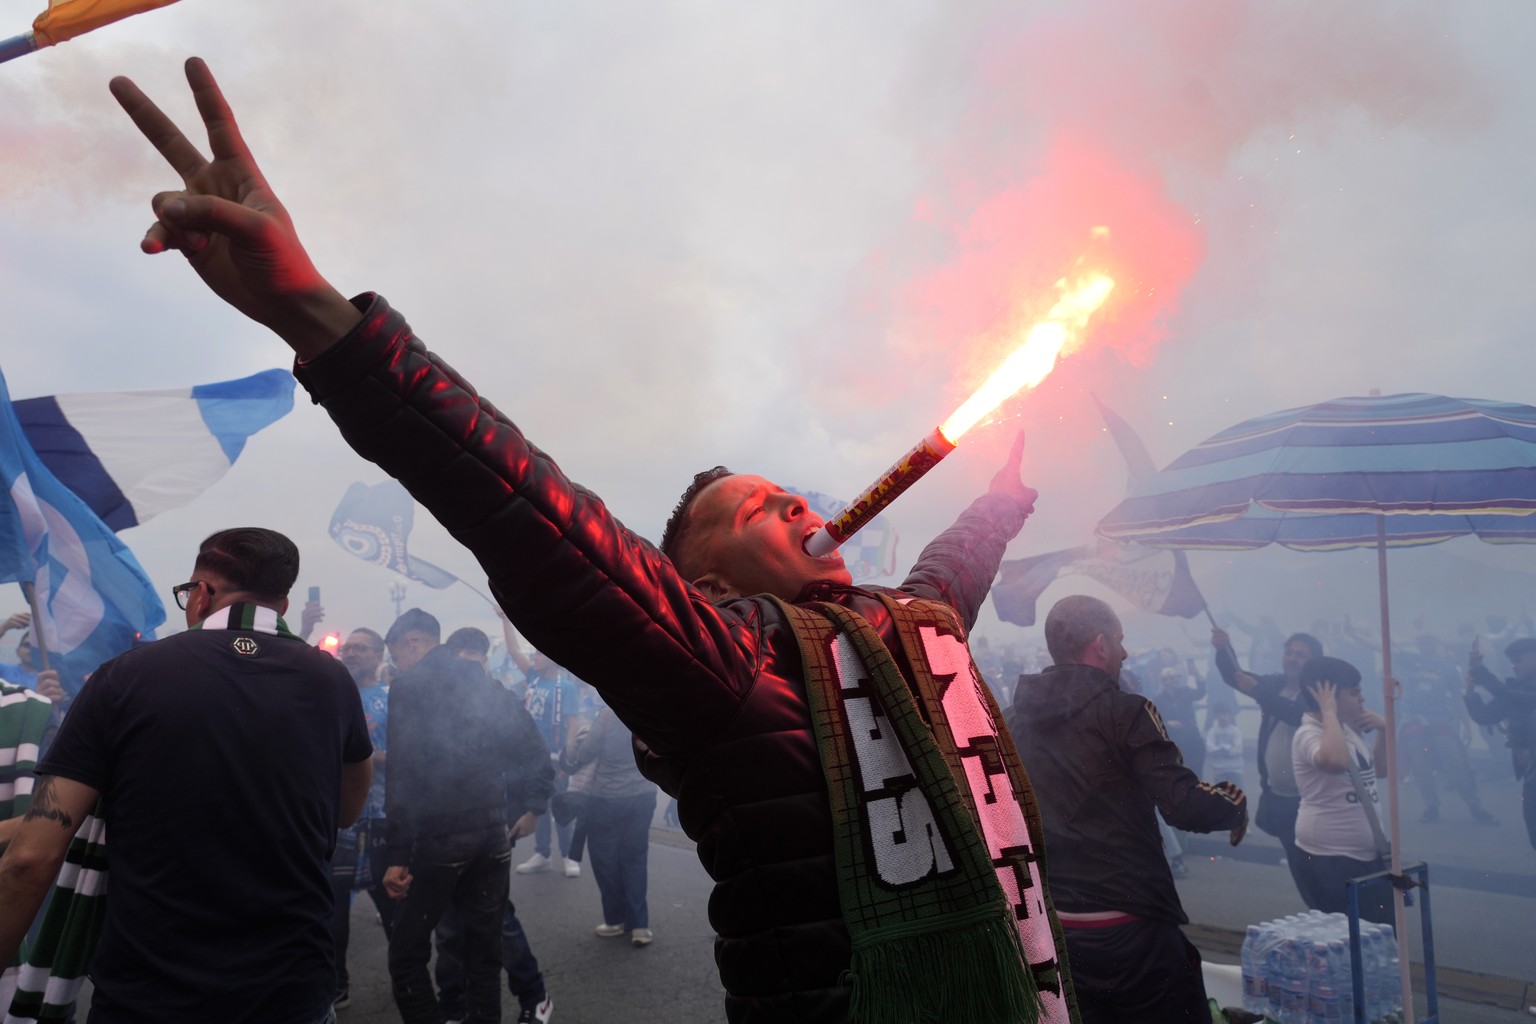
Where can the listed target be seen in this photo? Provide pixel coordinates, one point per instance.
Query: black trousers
(1323, 886)
(1144, 972)
(469, 872)
(369, 833)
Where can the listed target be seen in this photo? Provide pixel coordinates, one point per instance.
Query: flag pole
(481, 595)
(17, 46)
(1389, 698)
(39, 645)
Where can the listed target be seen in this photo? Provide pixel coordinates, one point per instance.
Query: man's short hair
(369, 633)
(1312, 643)
(252, 560)
(1337, 671)
(679, 528)
(468, 640)
(414, 620)
(1520, 649)
(1072, 624)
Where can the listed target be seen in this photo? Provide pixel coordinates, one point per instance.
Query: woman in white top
(1333, 833)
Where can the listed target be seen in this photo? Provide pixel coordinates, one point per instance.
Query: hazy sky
(789, 237)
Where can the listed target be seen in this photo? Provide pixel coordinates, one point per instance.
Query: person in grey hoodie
(1103, 766)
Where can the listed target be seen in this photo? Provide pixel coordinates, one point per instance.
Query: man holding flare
(874, 843)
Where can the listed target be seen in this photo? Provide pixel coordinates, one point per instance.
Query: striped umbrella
(1379, 471)
(1466, 464)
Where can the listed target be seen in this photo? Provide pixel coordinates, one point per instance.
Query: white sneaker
(609, 931)
(572, 868)
(641, 937)
(533, 865)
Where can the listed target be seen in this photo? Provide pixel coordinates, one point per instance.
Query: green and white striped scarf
(940, 860)
(44, 988)
(45, 979)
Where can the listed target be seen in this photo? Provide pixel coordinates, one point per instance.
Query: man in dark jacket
(1279, 700)
(1512, 701)
(701, 654)
(466, 769)
(1103, 766)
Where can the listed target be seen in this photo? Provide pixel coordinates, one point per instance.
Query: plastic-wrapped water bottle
(1273, 970)
(1338, 953)
(1294, 987)
(1254, 998)
(1392, 972)
(1371, 967)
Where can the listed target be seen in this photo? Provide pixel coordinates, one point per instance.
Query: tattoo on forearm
(44, 805)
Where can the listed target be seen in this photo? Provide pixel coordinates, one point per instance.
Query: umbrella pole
(1389, 700)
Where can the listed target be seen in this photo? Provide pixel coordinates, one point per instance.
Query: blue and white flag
(93, 599)
(374, 522)
(869, 554)
(134, 454)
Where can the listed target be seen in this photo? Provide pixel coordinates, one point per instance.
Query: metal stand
(1420, 874)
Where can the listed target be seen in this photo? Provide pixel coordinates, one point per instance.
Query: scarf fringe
(971, 974)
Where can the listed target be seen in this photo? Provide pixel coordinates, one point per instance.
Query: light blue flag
(93, 599)
(134, 454)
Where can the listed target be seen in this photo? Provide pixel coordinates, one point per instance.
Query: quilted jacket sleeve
(596, 598)
(959, 565)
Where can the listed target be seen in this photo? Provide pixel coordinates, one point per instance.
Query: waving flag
(134, 454)
(66, 19)
(93, 599)
(1152, 580)
(373, 523)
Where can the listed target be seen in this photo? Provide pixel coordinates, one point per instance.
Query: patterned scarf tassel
(895, 980)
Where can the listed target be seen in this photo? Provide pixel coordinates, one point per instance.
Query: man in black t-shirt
(226, 756)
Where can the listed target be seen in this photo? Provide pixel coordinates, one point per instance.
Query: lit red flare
(1058, 334)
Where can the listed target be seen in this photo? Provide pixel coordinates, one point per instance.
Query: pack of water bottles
(1296, 970)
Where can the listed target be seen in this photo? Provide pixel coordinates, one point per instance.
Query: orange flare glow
(1045, 341)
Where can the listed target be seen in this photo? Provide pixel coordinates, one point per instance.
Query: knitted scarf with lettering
(944, 945)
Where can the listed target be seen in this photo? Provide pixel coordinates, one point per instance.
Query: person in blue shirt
(358, 862)
(554, 701)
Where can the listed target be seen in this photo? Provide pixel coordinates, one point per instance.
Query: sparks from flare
(1047, 340)
(1058, 334)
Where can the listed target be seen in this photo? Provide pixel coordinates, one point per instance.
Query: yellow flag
(65, 19)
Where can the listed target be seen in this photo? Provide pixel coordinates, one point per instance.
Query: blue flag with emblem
(93, 599)
(374, 522)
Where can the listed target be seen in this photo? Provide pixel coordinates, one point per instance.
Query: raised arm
(573, 580)
(959, 565)
(230, 226)
(1226, 664)
(1332, 753)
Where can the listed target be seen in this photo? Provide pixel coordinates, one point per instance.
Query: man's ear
(714, 588)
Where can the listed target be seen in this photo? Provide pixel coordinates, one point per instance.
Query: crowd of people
(463, 762)
(885, 844)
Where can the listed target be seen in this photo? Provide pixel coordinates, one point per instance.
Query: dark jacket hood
(1060, 693)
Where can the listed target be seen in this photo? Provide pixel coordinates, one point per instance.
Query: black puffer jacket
(1101, 763)
(714, 693)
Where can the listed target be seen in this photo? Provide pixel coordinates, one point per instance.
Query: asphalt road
(1487, 929)
(1484, 902)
